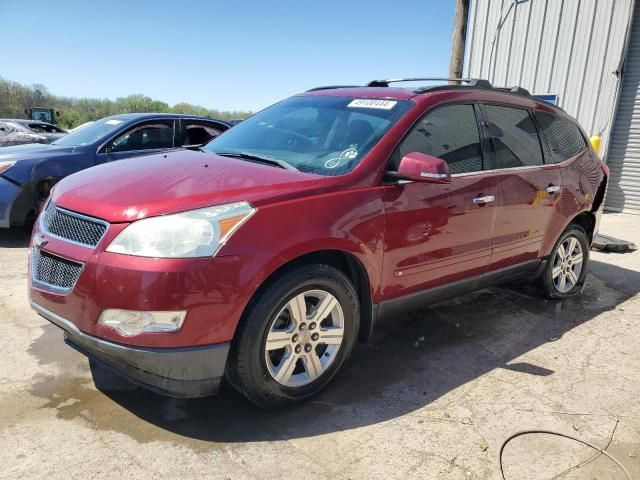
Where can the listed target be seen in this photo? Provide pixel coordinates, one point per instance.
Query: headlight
(196, 233)
(4, 166)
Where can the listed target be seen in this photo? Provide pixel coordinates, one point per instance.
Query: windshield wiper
(197, 147)
(259, 158)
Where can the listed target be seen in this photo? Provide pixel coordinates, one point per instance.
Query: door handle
(483, 199)
(552, 189)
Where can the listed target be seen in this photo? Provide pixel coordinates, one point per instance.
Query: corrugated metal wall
(623, 157)
(566, 47)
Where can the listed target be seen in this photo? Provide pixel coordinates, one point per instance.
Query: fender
(350, 221)
(36, 171)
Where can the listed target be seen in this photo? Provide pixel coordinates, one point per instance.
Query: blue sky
(241, 54)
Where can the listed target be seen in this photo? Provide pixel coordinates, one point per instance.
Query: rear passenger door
(529, 189)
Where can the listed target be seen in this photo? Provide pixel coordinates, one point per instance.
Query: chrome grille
(54, 271)
(72, 226)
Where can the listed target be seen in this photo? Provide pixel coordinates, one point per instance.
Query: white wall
(566, 47)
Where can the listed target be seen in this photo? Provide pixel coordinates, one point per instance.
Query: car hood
(32, 150)
(53, 136)
(176, 181)
(41, 160)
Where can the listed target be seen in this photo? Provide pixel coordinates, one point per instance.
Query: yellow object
(595, 143)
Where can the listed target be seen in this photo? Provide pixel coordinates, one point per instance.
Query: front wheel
(295, 336)
(566, 268)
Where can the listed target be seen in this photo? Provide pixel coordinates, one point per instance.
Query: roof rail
(472, 82)
(520, 91)
(331, 87)
(516, 90)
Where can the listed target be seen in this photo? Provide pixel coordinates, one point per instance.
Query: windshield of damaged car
(316, 134)
(89, 134)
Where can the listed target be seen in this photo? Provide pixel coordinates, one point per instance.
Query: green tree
(15, 98)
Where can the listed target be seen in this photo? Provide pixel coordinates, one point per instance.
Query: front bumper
(177, 372)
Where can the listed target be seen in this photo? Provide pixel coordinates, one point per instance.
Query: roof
(365, 92)
(381, 89)
(134, 116)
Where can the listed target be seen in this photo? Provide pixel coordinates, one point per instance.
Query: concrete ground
(433, 397)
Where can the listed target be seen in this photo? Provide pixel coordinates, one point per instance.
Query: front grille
(72, 226)
(54, 271)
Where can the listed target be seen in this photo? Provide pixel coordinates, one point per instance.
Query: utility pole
(458, 38)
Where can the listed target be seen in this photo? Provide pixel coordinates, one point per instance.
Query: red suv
(265, 255)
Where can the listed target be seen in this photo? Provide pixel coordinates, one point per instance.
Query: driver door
(141, 139)
(440, 233)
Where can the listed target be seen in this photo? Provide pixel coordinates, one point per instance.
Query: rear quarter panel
(581, 176)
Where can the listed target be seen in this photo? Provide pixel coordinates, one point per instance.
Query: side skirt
(406, 303)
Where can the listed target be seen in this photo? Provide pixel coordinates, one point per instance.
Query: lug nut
(294, 339)
(302, 326)
(298, 349)
(312, 325)
(307, 347)
(315, 337)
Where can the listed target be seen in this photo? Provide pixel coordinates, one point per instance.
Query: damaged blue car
(28, 172)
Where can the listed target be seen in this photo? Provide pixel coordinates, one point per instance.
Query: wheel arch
(586, 220)
(347, 263)
(27, 203)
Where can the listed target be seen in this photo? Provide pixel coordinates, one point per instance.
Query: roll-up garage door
(623, 156)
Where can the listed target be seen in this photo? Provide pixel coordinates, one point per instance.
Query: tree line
(16, 97)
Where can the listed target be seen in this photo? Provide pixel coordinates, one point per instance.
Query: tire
(565, 278)
(274, 334)
(107, 380)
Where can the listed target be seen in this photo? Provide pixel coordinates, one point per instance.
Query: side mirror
(420, 167)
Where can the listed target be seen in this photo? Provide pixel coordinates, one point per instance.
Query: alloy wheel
(567, 264)
(304, 338)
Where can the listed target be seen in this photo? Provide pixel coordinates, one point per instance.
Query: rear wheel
(295, 336)
(566, 269)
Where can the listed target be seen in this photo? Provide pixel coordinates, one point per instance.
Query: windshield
(316, 134)
(90, 133)
(44, 128)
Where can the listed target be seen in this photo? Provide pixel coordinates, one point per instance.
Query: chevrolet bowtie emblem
(39, 240)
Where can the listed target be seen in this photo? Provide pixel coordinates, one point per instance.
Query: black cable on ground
(558, 434)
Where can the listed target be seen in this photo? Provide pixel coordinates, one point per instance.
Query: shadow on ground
(414, 360)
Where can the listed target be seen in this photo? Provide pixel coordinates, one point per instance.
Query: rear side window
(564, 137)
(515, 138)
(449, 133)
(198, 133)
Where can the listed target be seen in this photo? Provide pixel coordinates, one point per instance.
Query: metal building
(583, 55)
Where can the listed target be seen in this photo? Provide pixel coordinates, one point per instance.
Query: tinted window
(515, 138)
(198, 133)
(316, 133)
(564, 137)
(44, 128)
(145, 137)
(449, 133)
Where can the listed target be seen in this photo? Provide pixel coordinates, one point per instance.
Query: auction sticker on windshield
(372, 103)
